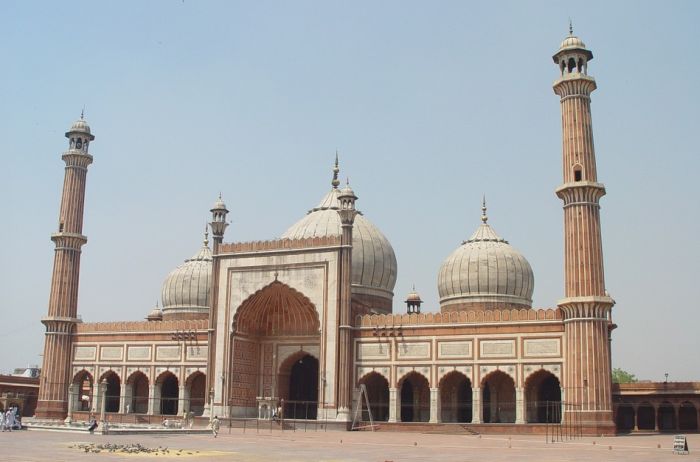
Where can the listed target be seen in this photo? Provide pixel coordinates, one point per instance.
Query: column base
(54, 410)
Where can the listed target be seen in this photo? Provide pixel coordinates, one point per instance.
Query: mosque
(301, 323)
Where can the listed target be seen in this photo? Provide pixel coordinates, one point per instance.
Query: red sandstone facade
(292, 324)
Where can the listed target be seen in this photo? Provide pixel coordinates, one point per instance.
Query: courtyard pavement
(342, 446)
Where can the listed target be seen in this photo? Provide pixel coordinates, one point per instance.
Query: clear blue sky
(431, 105)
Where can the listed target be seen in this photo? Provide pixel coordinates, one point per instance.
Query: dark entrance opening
(378, 395)
(666, 417)
(687, 416)
(139, 390)
(455, 398)
(646, 420)
(415, 398)
(169, 395)
(303, 389)
(625, 418)
(112, 392)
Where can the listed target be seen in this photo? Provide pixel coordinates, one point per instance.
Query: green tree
(620, 376)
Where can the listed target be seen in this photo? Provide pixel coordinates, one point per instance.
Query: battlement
(459, 317)
(280, 244)
(143, 326)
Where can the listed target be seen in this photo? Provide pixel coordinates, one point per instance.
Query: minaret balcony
(580, 192)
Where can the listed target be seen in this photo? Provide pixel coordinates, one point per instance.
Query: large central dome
(373, 258)
(484, 273)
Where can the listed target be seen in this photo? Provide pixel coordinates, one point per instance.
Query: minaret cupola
(572, 56)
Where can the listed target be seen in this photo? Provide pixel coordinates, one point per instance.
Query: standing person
(215, 424)
(2, 420)
(9, 419)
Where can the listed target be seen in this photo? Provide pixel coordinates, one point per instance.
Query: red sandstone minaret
(587, 306)
(63, 300)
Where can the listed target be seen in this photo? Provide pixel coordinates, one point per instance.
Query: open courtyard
(339, 446)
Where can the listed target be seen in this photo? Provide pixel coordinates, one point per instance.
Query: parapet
(143, 326)
(460, 317)
(280, 244)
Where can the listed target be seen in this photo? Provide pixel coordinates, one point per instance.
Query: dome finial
(336, 169)
(571, 27)
(484, 218)
(206, 235)
(82, 113)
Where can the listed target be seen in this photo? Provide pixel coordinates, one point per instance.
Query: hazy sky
(431, 105)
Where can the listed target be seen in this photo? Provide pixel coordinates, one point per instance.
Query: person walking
(2, 420)
(215, 424)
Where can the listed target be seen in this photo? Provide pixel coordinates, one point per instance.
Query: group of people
(10, 419)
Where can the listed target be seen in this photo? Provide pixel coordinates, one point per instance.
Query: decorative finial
(276, 274)
(414, 287)
(82, 113)
(206, 235)
(484, 218)
(336, 169)
(571, 27)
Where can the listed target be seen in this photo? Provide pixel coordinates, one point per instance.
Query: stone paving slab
(344, 446)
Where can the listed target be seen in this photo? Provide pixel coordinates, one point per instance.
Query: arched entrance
(543, 397)
(298, 379)
(687, 416)
(498, 398)
(168, 386)
(82, 401)
(378, 395)
(666, 417)
(455, 398)
(646, 417)
(196, 387)
(415, 398)
(275, 314)
(624, 420)
(139, 392)
(112, 392)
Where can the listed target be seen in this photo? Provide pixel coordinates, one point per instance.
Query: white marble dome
(485, 272)
(186, 289)
(373, 259)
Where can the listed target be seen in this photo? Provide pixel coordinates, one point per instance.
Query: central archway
(415, 398)
(275, 314)
(298, 381)
(455, 398)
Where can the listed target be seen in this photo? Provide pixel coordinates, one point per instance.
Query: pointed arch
(276, 310)
(498, 397)
(543, 397)
(84, 383)
(455, 397)
(414, 392)
(139, 385)
(195, 385)
(378, 394)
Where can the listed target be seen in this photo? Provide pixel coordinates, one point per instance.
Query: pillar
(393, 405)
(103, 401)
(434, 405)
(181, 398)
(153, 401)
(656, 417)
(476, 405)
(519, 406)
(122, 397)
(72, 391)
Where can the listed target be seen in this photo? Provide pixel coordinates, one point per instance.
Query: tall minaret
(587, 307)
(218, 226)
(347, 212)
(63, 300)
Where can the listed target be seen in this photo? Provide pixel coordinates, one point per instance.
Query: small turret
(413, 302)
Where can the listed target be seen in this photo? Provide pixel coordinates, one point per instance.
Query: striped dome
(186, 289)
(373, 259)
(485, 272)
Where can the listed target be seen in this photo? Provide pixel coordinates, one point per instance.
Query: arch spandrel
(530, 370)
(405, 371)
(276, 310)
(486, 371)
(444, 371)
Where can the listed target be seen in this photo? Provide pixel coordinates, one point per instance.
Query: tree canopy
(621, 376)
